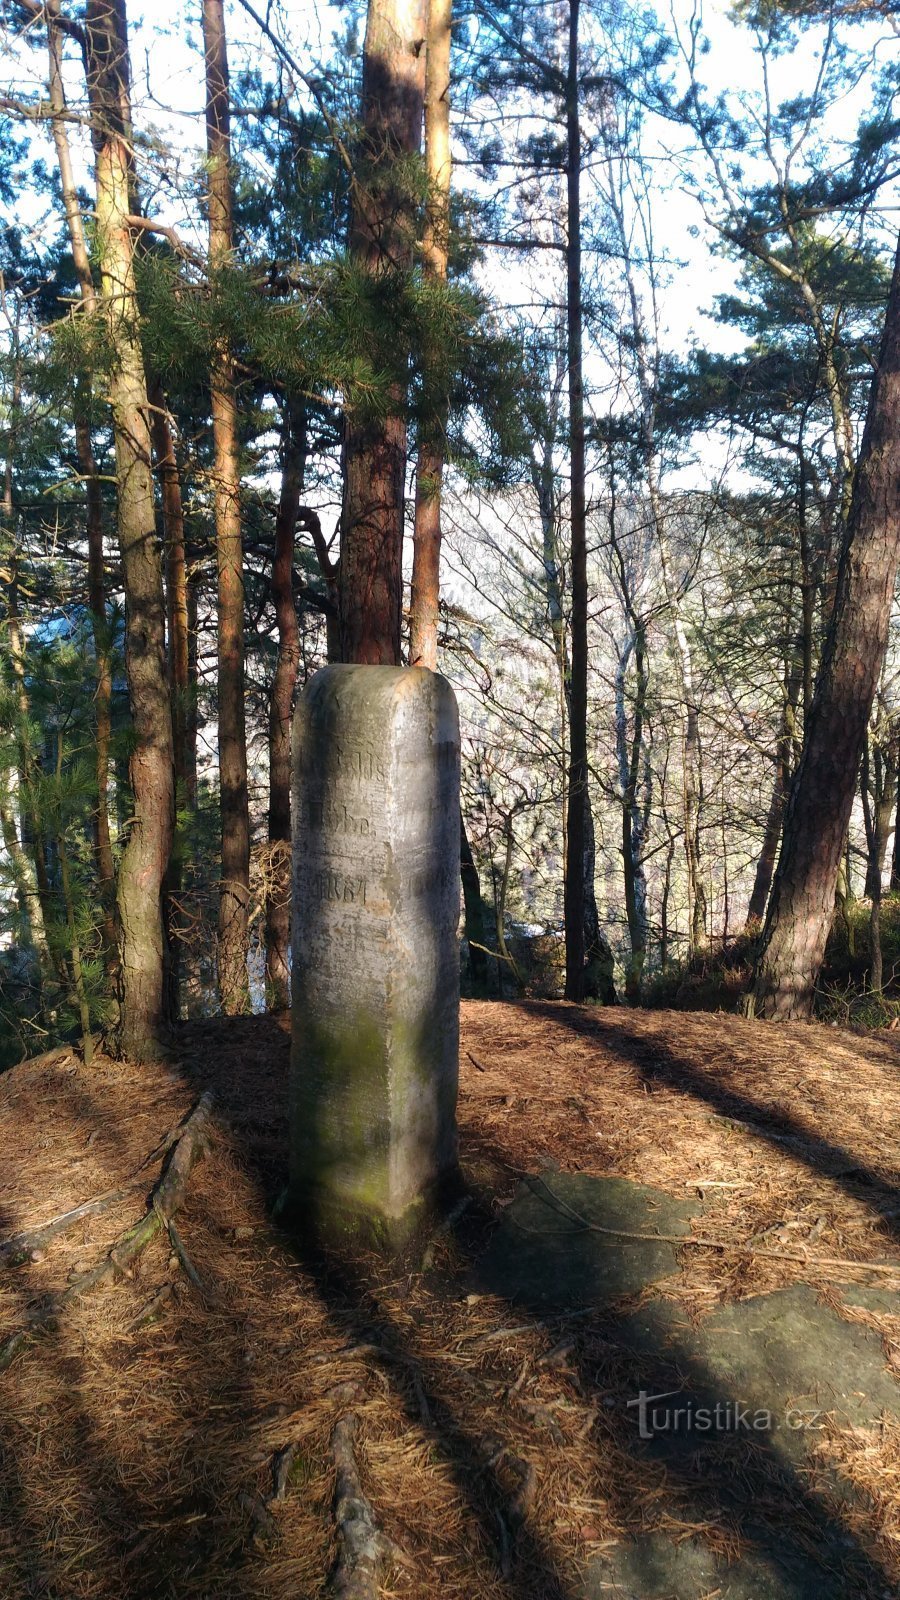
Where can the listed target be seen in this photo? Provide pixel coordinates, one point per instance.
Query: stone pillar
(375, 957)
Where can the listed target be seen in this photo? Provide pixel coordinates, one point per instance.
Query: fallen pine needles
(167, 1196)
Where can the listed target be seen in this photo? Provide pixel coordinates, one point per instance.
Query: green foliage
(61, 982)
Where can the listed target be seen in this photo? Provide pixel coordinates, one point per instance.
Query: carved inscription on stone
(375, 955)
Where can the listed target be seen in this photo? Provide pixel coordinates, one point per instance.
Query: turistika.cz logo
(726, 1416)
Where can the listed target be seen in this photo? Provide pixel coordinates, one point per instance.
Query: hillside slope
(141, 1431)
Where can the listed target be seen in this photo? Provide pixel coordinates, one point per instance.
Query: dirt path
(495, 1441)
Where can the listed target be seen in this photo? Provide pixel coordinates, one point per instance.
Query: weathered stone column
(375, 960)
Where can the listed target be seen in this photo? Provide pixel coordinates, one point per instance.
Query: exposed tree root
(19, 1246)
(166, 1198)
(361, 1545)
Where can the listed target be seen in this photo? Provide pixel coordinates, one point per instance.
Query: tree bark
(234, 895)
(573, 889)
(630, 756)
(106, 872)
(895, 852)
(370, 583)
(146, 855)
(281, 702)
(821, 801)
(178, 669)
(473, 909)
(879, 803)
(176, 574)
(425, 590)
(768, 855)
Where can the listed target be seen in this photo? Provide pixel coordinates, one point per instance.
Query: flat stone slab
(654, 1568)
(548, 1249)
(732, 1405)
(870, 1298)
(785, 1355)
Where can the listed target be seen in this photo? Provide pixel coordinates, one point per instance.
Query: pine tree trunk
(234, 901)
(278, 898)
(573, 890)
(370, 582)
(425, 589)
(149, 836)
(821, 801)
(177, 636)
(176, 575)
(106, 872)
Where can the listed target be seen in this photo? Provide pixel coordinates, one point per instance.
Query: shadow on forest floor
(497, 1442)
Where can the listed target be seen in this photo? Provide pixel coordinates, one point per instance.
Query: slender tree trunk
(36, 907)
(177, 636)
(693, 793)
(31, 916)
(149, 835)
(425, 593)
(630, 754)
(234, 899)
(821, 801)
(784, 749)
(191, 721)
(573, 891)
(504, 955)
(28, 774)
(646, 360)
(875, 957)
(599, 965)
(176, 575)
(381, 241)
(895, 853)
(106, 872)
(473, 909)
(878, 809)
(79, 988)
(278, 908)
(765, 864)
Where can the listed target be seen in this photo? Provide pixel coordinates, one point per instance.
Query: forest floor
(170, 1432)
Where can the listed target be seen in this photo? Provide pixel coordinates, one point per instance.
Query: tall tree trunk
(370, 582)
(784, 749)
(878, 807)
(425, 591)
(821, 801)
(146, 855)
(27, 759)
(176, 574)
(473, 909)
(630, 756)
(573, 891)
(177, 636)
(191, 718)
(598, 958)
(106, 873)
(234, 899)
(29, 765)
(278, 910)
(895, 852)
